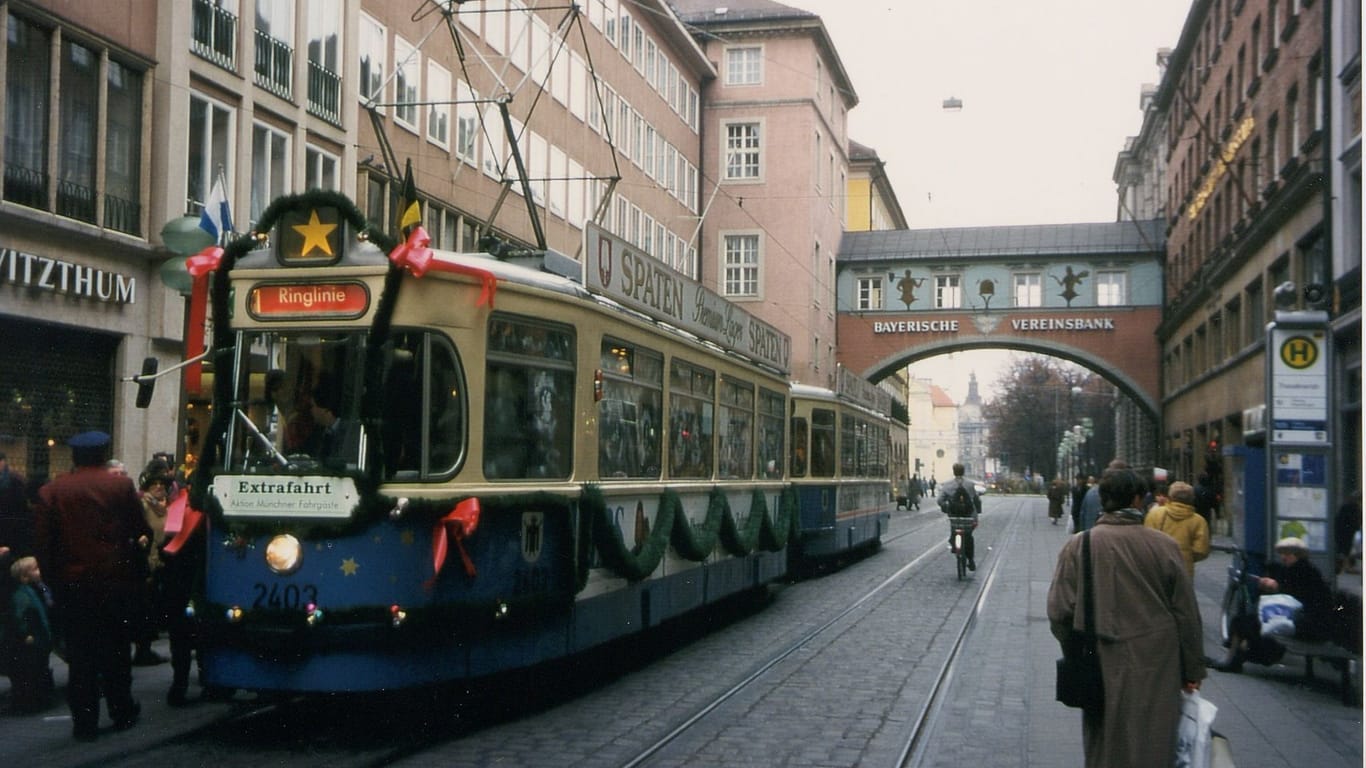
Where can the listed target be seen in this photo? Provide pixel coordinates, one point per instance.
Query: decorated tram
(426, 466)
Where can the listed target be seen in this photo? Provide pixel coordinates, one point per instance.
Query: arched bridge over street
(1089, 293)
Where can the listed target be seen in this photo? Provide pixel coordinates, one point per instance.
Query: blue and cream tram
(428, 466)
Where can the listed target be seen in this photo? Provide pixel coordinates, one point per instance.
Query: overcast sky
(1050, 91)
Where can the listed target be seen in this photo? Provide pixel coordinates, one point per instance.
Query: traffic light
(917, 466)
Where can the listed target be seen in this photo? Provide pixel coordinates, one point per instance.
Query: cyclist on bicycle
(950, 504)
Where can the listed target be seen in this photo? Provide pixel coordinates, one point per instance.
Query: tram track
(922, 723)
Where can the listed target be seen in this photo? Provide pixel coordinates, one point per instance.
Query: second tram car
(841, 467)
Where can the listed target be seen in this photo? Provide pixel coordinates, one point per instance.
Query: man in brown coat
(1147, 623)
(90, 539)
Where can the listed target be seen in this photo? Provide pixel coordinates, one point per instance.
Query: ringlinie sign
(621, 272)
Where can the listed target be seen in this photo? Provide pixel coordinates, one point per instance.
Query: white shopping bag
(1193, 731)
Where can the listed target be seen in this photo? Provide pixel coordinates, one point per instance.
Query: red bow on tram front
(415, 255)
(189, 519)
(459, 524)
(199, 266)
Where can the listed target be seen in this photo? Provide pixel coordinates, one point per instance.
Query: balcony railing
(324, 93)
(274, 65)
(122, 215)
(214, 34)
(76, 201)
(25, 186)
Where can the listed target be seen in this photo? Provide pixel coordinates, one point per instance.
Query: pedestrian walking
(1147, 625)
(90, 538)
(1057, 494)
(1177, 519)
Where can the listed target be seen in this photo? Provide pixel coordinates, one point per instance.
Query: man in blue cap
(90, 539)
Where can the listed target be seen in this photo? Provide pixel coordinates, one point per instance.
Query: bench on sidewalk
(1340, 658)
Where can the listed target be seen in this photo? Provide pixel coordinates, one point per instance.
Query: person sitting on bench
(1293, 575)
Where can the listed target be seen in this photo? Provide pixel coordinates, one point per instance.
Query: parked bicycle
(1240, 593)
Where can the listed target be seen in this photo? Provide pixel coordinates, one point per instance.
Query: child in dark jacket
(28, 639)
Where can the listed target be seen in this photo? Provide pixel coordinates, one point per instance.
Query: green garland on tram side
(694, 542)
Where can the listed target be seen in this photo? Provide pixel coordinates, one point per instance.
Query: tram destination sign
(629, 276)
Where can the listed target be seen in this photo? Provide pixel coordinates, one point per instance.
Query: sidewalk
(1003, 713)
(44, 739)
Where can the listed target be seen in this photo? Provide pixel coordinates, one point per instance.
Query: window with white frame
(1028, 290)
(1111, 289)
(741, 270)
(372, 54)
(495, 17)
(320, 169)
(743, 151)
(948, 294)
(438, 107)
(408, 70)
(495, 151)
(869, 293)
(269, 166)
(745, 65)
(466, 122)
(210, 152)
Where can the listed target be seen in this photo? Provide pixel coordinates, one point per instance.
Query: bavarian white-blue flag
(216, 218)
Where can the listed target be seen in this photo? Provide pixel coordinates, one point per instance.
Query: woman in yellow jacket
(1179, 520)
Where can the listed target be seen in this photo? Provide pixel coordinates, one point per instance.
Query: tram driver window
(528, 400)
(424, 418)
(799, 446)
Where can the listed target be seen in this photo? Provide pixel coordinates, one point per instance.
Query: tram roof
(1136, 238)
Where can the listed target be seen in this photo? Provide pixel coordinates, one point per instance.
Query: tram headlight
(284, 555)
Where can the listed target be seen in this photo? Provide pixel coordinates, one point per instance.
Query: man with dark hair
(90, 539)
(1147, 626)
(1091, 506)
(948, 494)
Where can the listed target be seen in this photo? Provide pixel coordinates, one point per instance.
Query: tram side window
(629, 411)
(849, 446)
(529, 400)
(799, 447)
(735, 428)
(424, 417)
(771, 408)
(822, 443)
(692, 391)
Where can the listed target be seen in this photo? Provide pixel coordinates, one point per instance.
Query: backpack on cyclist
(960, 503)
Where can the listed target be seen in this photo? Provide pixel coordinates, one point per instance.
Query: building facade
(1242, 118)
(775, 169)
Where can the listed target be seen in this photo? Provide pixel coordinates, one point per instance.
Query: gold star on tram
(406, 537)
(349, 566)
(315, 234)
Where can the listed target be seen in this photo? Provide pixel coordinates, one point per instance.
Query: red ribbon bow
(459, 524)
(180, 508)
(199, 266)
(416, 256)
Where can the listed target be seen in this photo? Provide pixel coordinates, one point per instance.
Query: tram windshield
(298, 402)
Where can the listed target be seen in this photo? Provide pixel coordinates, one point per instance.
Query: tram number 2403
(289, 596)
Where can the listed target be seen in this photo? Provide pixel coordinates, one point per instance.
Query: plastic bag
(1278, 614)
(1193, 731)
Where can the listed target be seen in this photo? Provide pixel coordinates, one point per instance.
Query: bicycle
(1240, 597)
(961, 527)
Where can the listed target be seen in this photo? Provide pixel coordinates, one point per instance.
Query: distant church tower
(972, 434)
